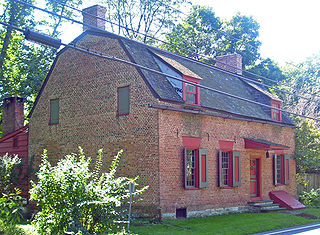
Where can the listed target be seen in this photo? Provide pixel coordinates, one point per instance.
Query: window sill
(193, 188)
(125, 114)
(226, 187)
(53, 124)
(192, 104)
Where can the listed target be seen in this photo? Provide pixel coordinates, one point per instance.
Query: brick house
(199, 151)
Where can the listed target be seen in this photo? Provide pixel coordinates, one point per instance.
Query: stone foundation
(210, 212)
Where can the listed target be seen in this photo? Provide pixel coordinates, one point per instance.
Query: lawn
(246, 223)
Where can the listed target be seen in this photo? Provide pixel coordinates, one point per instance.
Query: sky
(289, 29)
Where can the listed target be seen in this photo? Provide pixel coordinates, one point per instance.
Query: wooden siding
(21, 149)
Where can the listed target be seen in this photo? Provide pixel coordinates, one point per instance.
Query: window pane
(54, 111)
(123, 100)
(190, 88)
(190, 167)
(279, 169)
(225, 168)
(191, 98)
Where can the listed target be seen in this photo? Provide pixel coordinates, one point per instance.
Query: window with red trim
(191, 93)
(229, 169)
(195, 168)
(281, 165)
(275, 113)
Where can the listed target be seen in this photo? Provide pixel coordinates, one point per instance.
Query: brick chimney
(234, 60)
(12, 114)
(90, 15)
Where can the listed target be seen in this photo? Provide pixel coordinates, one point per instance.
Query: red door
(254, 177)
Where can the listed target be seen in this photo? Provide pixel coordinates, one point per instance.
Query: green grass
(246, 223)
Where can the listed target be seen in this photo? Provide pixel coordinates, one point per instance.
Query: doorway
(254, 177)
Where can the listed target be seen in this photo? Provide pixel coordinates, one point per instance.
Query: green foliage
(310, 199)
(10, 201)
(197, 34)
(7, 164)
(307, 141)
(10, 208)
(201, 32)
(241, 37)
(305, 78)
(24, 65)
(75, 199)
(269, 69)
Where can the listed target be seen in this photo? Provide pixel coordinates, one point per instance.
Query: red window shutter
(236, 169)
(286, 169)
(203, 168)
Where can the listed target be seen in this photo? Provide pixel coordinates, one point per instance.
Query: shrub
(10, 208)
(10, 201)
(74, 199)
(7, 164)
(310, 199)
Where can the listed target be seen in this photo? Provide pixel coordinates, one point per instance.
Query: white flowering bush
(77, 200)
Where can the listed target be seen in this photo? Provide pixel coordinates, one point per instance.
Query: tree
(23, 64)
(201, 32)
(266, 68)
(241, 37)
(197, 35)
(149, 17)
(305, 79)
(307, 141)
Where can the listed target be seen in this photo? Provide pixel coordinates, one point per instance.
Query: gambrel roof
(208, 75)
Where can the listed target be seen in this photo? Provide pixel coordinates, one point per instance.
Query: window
(54, 111)
(281, 164)
(275, 113)
(191, 93)
(196, 168)
(229, 169)
(123, 100)
(15, 142)
(190, 159)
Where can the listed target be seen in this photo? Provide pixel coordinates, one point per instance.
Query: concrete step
(264, 206)
(261, 202)
(275, 209)
(267, 205)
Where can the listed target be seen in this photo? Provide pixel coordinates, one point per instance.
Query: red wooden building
(15, 138)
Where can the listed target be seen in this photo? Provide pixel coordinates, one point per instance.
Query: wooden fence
(314, 182)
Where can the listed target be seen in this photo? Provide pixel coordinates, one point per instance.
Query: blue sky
(289, 29)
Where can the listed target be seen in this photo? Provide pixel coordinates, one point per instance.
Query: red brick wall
(12, 115)
(87, 90)
(233, 60)
(86, 87)
(174, 125)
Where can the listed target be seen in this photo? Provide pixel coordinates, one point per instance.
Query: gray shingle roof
(210, 76)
